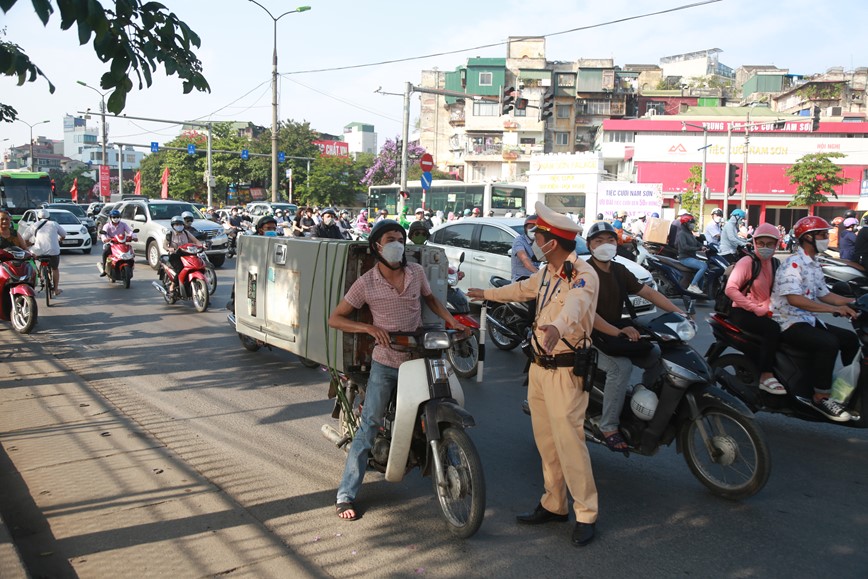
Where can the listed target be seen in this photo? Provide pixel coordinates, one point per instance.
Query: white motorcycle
(424, 426)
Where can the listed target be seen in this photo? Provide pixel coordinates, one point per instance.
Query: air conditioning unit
(545, 82)
(833, 112)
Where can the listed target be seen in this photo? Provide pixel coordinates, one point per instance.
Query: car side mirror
(140, 218)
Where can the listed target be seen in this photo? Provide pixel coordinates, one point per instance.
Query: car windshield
(76, 210)
(168, 210)
(291, 207)
(64, 218)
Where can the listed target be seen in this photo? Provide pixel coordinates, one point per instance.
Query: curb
(10, 559)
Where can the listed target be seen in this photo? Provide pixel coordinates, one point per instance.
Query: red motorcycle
(191, 283)
(17, 296)
(121, 260)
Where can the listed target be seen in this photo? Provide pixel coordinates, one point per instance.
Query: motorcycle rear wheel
(666, 287)
(199, 290)
(462, 503)
(464, 356)
(23, 313)
(47, 287)
(735, 463)
(501, 341)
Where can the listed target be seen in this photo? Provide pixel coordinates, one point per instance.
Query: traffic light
(520, 104)
(733, 180)
(548, 103)
(507, 100)
(815, 125)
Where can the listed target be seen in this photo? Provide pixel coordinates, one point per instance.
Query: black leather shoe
(583, 534)
(539, 516)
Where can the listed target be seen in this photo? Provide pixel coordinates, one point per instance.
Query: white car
(77, 235)
(487, 246)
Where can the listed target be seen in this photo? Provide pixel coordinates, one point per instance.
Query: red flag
(138, 181)
(74, 190)
(164, 193)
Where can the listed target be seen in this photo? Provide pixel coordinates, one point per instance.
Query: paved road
(250, 423)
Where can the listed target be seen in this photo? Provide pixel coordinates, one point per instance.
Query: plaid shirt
(392, 311)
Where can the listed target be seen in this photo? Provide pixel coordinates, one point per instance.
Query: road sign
(245, 154)
(281, 157)
(191, 149)
(426, 161)
(426, 180)
(155, 147)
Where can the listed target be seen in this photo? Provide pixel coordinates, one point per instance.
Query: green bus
(21, 190)
(451, 196)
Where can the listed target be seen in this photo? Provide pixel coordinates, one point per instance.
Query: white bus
(454, 196)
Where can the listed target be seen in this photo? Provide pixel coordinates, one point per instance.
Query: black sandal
(344, 507)
(616, 443)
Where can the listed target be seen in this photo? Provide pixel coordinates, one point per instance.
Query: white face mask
(538, 252)
(822, 245)
(605, 251)
(718, 218)
(392, 251)
(178, 228)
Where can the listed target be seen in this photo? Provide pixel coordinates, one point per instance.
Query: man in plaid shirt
(392, 290)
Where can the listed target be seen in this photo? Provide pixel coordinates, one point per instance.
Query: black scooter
(508, 323)
(464, 355)
(739, 374)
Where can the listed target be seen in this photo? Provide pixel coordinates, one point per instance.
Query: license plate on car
(69, 242)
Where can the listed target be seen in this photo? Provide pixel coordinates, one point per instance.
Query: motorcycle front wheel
(464, 356)
(462, 501)
(199, 289)
(127, 275)
(211, 276)
(727, 452)
(23, 314)
(500, 340)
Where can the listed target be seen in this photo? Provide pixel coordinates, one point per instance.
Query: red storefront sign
(333, 148)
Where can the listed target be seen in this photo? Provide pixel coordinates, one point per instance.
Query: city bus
(454, 196)
(21, 190)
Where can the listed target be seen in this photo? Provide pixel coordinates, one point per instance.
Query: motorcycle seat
(757, 339)
(675, 264)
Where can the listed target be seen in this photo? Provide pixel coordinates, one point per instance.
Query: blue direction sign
(281, 157)
(191, 149)
(245, 154)
(155, 147)
(426, 180)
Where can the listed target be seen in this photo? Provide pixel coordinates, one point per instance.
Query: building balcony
(456, 118)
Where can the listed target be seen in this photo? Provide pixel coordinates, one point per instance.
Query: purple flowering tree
(387, 165)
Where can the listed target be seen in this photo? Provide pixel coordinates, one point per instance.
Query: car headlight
(83, 230)
(220, 238)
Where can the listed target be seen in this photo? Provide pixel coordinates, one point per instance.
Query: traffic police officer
(566, 302)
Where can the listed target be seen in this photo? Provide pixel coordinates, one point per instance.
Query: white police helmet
(643, 403)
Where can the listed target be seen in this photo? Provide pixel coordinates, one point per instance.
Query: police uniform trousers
(557, 405)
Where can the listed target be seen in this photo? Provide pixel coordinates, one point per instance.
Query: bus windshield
(23, 191)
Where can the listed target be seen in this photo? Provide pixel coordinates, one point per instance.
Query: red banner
(333, 148)
(74, 190)
(105, 189)
(138, 181)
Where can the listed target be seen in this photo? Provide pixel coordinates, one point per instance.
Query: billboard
(333, 148)
(634, 198)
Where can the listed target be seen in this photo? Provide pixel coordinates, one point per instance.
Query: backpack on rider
(722, 302)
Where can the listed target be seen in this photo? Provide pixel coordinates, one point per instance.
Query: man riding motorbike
(714, 228)
(800, 292)
(524, 264)
(616, 341)
(114, 227)
(729, 238)
(687, 245)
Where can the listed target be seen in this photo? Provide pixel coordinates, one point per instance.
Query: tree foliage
(134, 38)
(335, 182)
(815, 175)
(386, 168)
(691, 197)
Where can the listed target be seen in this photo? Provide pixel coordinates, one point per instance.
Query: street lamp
(32, 164)
(274, 179)
(102, 113)
(704, 130)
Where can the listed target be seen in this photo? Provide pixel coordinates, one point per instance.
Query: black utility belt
(557, 361)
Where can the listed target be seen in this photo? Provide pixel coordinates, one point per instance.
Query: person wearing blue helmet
(729, 239)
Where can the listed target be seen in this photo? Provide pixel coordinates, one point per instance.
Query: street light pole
(32, 164)
(102, 114)
(274, 179)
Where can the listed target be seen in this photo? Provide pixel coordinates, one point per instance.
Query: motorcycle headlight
(684, 329)
(435, 341)
(680, 376)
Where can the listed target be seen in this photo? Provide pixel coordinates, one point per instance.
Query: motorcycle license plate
(639, 302)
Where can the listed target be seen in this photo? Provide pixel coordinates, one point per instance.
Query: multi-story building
(360, 138)
(82, 143)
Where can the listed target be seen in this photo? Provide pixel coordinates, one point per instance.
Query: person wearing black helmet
(392, 290)
(523, 262)
(328, 228)
(114, 227)
(267, 226)
(714, 228)
(616, 340)
(418, 233)
(687, 245)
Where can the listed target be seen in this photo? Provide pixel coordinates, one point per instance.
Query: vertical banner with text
(105, 189)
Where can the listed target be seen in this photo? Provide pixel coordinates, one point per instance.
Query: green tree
(691, 197)
(334, 181)
(135, 37)
(63, 182)
(815, 175)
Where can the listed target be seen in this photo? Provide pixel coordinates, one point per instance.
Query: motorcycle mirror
(461, 257)
(690, 306)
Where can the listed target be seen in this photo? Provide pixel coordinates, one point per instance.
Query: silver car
(487, 246)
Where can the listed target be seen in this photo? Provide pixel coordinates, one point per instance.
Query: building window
(520, 112)
(600, 107)
(486, 109)
(566, 80)
(658, 107)
(620, 137)
(485, 78)
(562, 138)
(563, 111)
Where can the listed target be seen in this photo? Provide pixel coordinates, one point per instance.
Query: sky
(237, 41)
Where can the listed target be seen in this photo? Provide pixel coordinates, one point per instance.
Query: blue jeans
(697, 264)
(618, 370)
(381, 383)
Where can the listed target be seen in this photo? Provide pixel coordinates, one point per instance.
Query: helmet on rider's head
(838, 220)
(381, 228)
(851, 222)
(717, 211)
(810, 224)
(263, 220)
(418, 228)
(114, 214)
(686, 218)
(177, 220)
(849, 213)
(737, 213)
(187, 215)
(467, 212)
(617, 224)
(655, 215)
(600, 227)
(43, 214)
(766, 230)
(530, 220)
